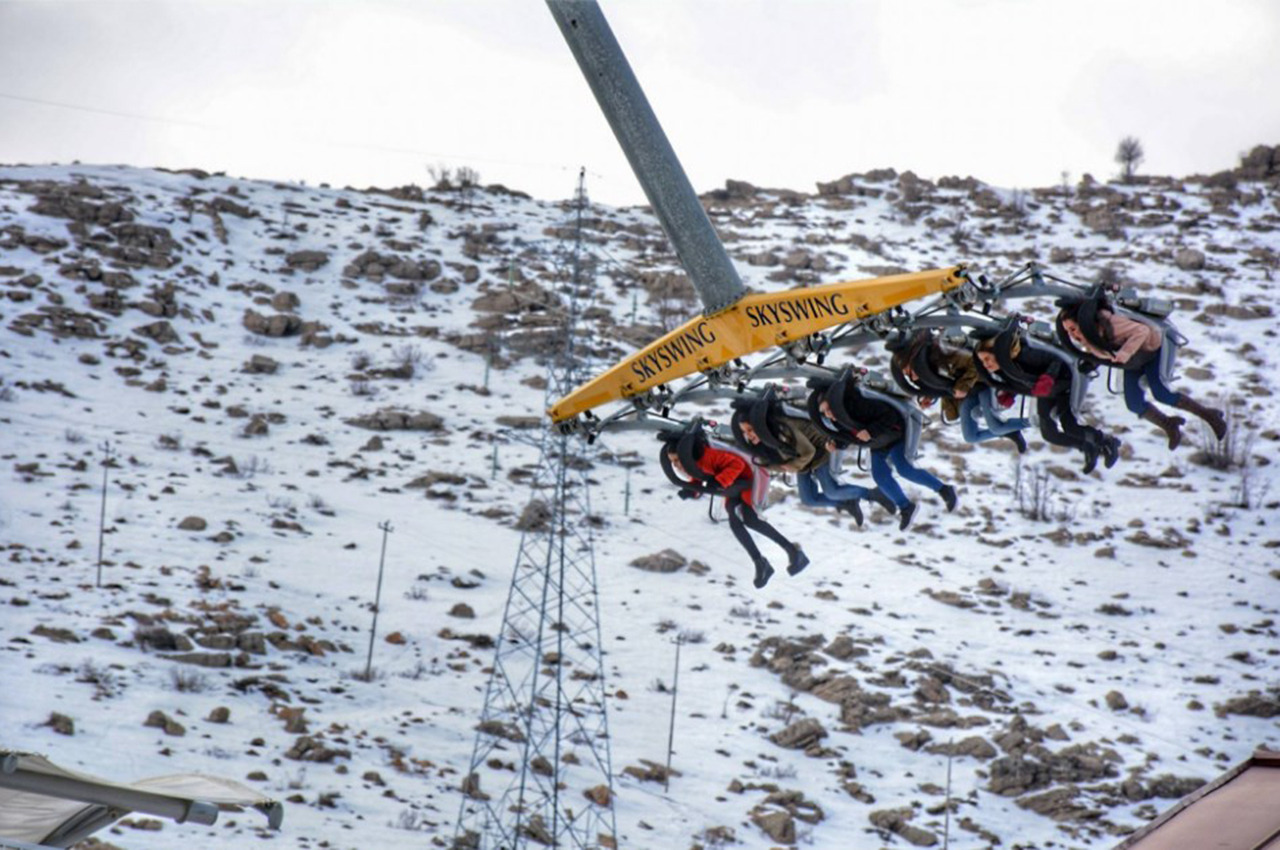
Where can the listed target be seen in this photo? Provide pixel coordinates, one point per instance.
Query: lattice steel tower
(544, 708)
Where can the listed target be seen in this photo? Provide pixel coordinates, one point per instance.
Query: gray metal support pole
(386, 528)
(671, 731)
(107, 453)
(652, 159)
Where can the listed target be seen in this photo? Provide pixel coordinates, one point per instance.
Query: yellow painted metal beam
(753, 323)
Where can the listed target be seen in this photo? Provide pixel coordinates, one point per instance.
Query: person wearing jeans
(981, 403)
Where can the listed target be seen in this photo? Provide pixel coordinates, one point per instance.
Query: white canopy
(51, 806)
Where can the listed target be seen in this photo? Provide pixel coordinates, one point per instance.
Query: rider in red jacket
(725, 473)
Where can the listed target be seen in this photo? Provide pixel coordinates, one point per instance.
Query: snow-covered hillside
(276, 369)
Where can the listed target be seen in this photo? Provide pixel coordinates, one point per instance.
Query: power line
(361, 146)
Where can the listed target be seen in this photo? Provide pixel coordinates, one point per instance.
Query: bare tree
(1129, 154)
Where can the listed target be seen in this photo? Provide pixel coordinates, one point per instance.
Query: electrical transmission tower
(541, 772)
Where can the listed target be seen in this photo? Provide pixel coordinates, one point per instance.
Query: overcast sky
(776, 92)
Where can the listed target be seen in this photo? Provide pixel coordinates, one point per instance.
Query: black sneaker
(1110, 451)
(764, 572)
(877, 495)
(853, 508)
(799, 561)
(1018, 440)
(905, 513)
(948, 494)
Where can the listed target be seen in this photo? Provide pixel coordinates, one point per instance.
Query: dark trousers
(1065, 429)
(742, 517)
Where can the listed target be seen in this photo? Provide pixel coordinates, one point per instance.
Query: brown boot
(1213, 418)
(1171, 425)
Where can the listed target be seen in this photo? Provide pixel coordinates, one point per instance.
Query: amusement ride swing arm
(751, 324)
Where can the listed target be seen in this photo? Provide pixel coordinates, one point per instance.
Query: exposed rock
(1189, 259)
(463, 611)
(666, 561)
(221, 714)
(307, 261)
(193, 523)
(1253, 704)
(535, 517)
(285, 302)
(1116, 701)
(800, 735)
(391, 419)
(897, 821)
(161, 331)
(55, 634)
(649, 771)
(221, 205)
(778, 825)
(1060, 804)
(61, 724)
(375, 267)
(314, 750)
(261, 364)
(160, 720)
(278, 325)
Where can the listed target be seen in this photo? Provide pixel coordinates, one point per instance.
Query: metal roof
(1239, 810)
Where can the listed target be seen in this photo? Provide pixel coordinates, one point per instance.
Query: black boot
(1171, 425)
(877, 495)
(1213, 418)
(799, 560)
(1091, 449)
(948, 494)
(1110, 451)
(853, 508)
(905, 513)
(1019, 441)
(764, 572)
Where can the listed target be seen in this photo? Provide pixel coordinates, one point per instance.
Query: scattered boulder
(314, 750)
(535, 517)
(160, 720)
(161, 331)
(463, 611)
(1189, 259)
(278, 325)
(60, 723)
(55, 634)
(897, 821)
(193, 523)
(221, 714)
(1253, 704)
(307, 261)
(800, 735)
(666, 561)
(391, 419)
(778, 825)
(285, 302)
(261, 364)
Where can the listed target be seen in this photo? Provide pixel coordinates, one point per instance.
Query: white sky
(776, 92)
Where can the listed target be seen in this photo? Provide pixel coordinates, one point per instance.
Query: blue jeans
(820, 489)
(884, 479)
(1135, 400)
(984, 399)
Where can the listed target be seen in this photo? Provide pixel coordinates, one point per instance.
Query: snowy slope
(1098, 646)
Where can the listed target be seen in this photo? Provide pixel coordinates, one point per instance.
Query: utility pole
(671, 729)
(386, 528)
(108, 453)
